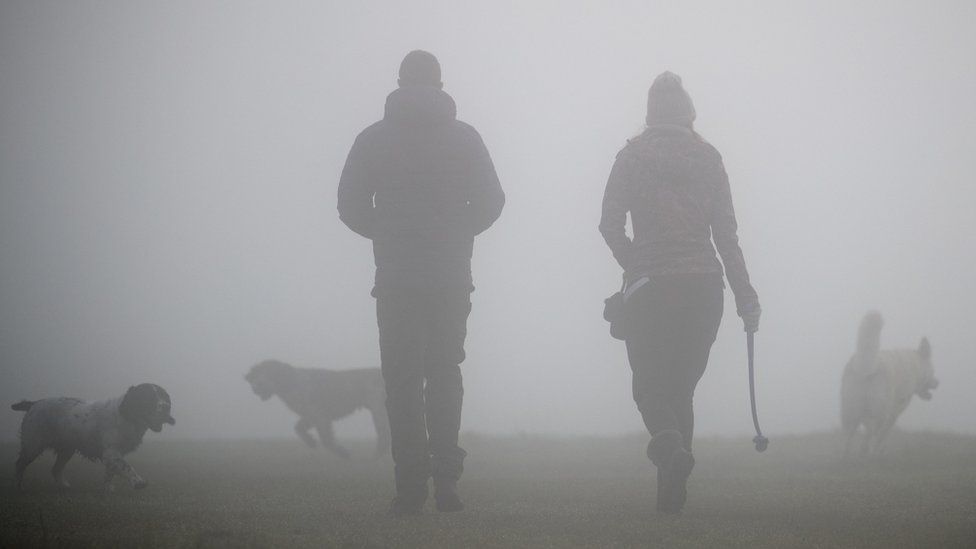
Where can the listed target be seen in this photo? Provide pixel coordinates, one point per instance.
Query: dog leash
(759, 440)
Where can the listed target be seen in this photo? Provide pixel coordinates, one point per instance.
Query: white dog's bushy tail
(22, 406)
(868, 342)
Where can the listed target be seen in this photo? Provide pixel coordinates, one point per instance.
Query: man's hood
(420, 105)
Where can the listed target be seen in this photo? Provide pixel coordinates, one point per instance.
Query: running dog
(878, 385)
(320, 397)
(103, 431)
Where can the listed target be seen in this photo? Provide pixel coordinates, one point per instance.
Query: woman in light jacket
(674, 185)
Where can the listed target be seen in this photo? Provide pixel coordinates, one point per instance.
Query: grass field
(520, 492)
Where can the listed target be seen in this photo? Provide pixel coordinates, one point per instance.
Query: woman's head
(668, 102)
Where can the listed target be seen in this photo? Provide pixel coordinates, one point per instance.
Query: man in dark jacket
(421, 185)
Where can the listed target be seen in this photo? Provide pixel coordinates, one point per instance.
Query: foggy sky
(168, 173)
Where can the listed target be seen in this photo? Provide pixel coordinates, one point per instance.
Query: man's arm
(356, 192)
(487, 198)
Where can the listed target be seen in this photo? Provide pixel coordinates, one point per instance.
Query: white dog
(106, 430)
(320, 397)
(878, 385)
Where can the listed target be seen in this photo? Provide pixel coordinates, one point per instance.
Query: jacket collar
(670, 128)
(419, 105)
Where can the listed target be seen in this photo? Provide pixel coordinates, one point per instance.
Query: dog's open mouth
(157, 424)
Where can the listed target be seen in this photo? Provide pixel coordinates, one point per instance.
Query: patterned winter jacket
(420, 184)
(675, 187)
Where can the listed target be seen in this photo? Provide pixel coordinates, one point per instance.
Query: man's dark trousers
(422, 335)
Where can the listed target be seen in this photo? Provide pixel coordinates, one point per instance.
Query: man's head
(420, 68)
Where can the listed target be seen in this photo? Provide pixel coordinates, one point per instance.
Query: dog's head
(269, 378)
(147, 405)
(927, 380)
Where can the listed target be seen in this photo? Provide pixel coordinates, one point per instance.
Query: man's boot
(446, 497)
(409, 500)
(401, 507)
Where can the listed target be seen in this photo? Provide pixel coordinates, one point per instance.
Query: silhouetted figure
(420, 184)
(675, 187)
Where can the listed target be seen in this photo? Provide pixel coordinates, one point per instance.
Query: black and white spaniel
(105, 430)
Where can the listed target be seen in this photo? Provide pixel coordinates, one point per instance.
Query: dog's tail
(868, 341)
(869, 334)
(22, 406)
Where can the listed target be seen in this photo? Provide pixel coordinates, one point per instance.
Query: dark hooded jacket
(420, 184)
(675, 187)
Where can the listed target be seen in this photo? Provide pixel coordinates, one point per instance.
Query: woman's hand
(750, 317)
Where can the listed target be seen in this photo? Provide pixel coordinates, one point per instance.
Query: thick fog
(168, 175)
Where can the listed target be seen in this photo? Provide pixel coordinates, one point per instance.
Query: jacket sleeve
(486, 198)
(356, 190)
(613, 220)
(724, 229)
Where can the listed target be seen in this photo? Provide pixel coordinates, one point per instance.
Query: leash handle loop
(759, 440)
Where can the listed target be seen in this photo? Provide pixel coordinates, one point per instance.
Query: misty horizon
(168, 177)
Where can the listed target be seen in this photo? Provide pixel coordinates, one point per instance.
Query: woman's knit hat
(420, 68)
(668, 102)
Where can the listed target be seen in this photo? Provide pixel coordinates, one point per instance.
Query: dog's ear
(138, 403)
(925, 349)
(127, 408)
(281, 376)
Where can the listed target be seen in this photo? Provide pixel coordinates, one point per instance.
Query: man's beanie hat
(668, 102)
(420, 68)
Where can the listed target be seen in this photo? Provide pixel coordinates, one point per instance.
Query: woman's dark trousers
(672, 323)
(421, 346)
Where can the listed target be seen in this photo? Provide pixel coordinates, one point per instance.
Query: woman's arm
(613, 221)
(724, 229)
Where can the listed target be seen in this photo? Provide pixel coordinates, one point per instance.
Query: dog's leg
(28, 453)
(851, 433)
(324, 427)
(107, 482)
(883, 433)
(301, 429)
(865, 450)
(58, 470)
(115, 464)
(381, 422)
(871, 429)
